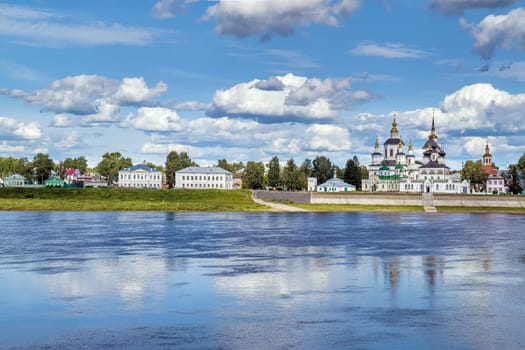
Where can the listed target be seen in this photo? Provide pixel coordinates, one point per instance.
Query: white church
(397, 171)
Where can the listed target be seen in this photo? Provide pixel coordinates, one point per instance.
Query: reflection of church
(395, 171)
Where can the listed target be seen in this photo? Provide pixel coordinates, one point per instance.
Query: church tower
(392, 145)
(376, 156)
(487, 157)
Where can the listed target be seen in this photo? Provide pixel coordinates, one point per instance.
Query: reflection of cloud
(129, 277)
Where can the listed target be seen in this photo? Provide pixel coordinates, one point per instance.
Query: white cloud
(296, 99)
(498, 31)
(13, 129)
(61, 121)
(327, 138)
(387, 50)
(96, 99)
(10, 149)
(458, 6)
(43, 27)
(72, 140)
(164, 9)
(134, 91)
(191, 106)
(154, 119)
(270, 17)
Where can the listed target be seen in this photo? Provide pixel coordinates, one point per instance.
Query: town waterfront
(155, 280)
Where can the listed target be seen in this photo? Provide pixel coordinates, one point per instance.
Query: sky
(248, 80)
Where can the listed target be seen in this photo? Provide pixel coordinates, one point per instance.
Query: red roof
(488, 169)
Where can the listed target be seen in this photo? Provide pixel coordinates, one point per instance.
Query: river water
(112, 280)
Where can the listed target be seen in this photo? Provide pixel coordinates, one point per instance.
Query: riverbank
(116, 199)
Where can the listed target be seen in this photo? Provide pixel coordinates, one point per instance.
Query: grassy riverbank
(105, 199)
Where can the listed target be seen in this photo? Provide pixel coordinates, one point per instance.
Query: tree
(305, 171)
(253, 175)
(111, 164)
(79, 163)
(274, 172)
(231, 167)
(514, 181)
(291, 176)
(521, 164)
(352, 173)
(473, 171)
(322, 169)
(176, 162)
(42, 166)
(10, 166)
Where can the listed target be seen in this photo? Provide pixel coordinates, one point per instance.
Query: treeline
(254, 175)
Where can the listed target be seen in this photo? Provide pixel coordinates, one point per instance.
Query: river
(127, 280)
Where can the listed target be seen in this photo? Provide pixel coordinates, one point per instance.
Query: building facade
(140, 176)
(495, 181)
(335, 185)
(395, 171)
(204, 178)
(16, 180)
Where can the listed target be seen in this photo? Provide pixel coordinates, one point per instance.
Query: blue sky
(248, 80)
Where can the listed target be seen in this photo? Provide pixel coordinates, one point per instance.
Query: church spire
(394, 132)
(376, 145)
(433, 129)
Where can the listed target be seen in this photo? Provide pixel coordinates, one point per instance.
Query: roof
(433, 165)
(393, 141)
(488, 169)
(202, 170)
(390, 162)
(141, 167)
(335, 182)
(15, 177)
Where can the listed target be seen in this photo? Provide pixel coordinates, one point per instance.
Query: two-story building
(205, 177)
(140, 176)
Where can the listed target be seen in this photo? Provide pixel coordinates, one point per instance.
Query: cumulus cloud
(327, 138)
(271, 17)
(458, 6)
(96, 98)
(154, 119)
(387, 50)
(61, 121)
(9, 149)
(13, 129)
(498, 31)
(294, 98)
(41, 27)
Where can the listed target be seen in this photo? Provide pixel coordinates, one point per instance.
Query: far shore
(56, 199)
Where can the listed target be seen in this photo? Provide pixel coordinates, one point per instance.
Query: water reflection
(261, 280)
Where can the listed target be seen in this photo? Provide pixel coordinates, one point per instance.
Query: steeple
(394, 132)
(376, 145)
(433, 135)
(487, 157)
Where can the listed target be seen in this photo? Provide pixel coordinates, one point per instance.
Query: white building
(140, 176)
(205, 177)
(396, 172)
(335, 185)
(312, 183)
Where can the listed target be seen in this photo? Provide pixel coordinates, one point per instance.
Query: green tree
(291, 176)
(253, 175)
(473, 171)
(79, 163)
(352, 173)
(305, 171)
(10, 166)
(231, 167)
(176, 162)
(322, 169)
(42, 166)
(364, 172)
(521, 164)
(274, 172)
(513, 180)
(111, 164)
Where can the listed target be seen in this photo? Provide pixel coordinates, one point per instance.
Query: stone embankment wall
(282, 196)
(397, 199)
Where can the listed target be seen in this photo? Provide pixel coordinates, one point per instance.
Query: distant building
(395, 171)
(311, 184)
(93, 180)
(16, 180)
(495, 181)
(237, 179)
(335, 185)
(140, 176)
(204, 177)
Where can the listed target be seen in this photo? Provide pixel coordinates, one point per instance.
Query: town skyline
(246, 81)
